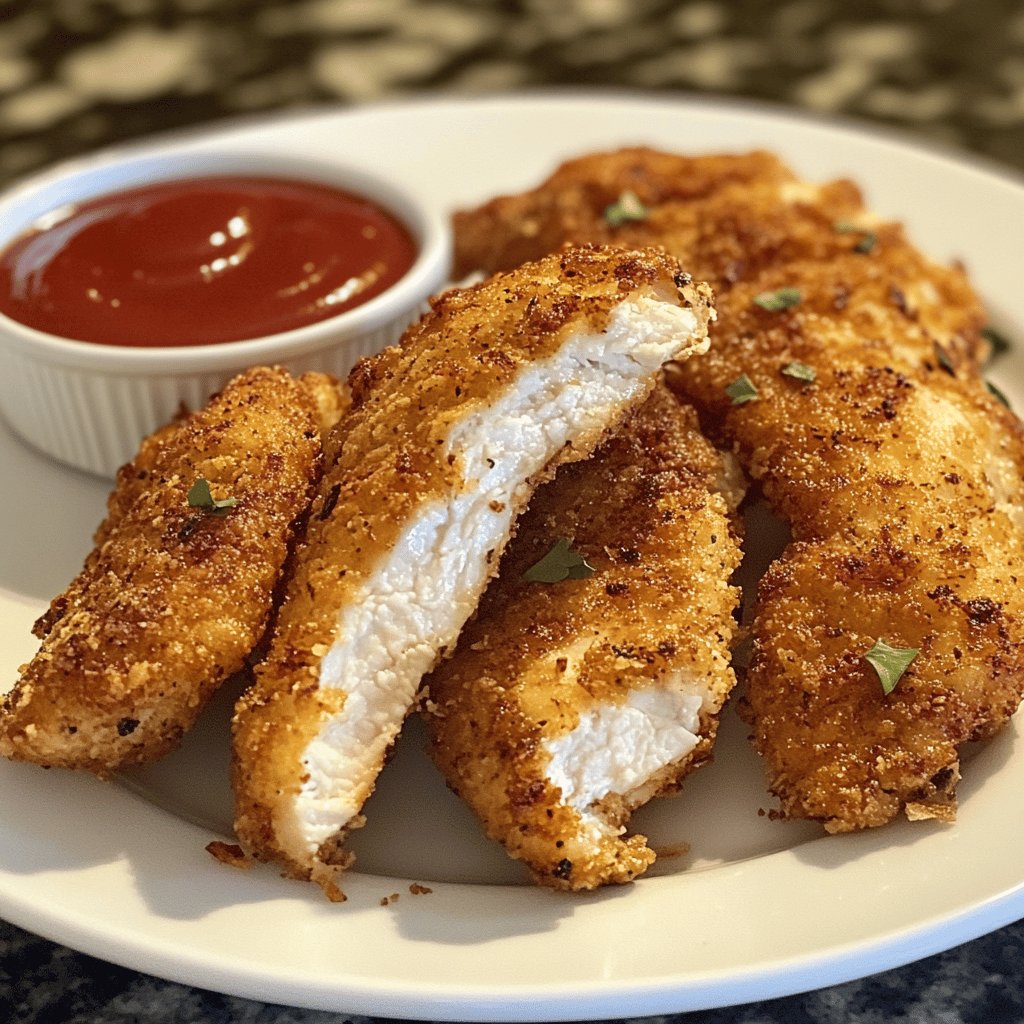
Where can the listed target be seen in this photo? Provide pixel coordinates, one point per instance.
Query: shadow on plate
(47, 519)
(979, 761)
(417, 830)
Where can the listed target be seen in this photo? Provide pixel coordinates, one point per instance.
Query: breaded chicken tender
(578, 203)
(448, 435)
(173, 597)
(901, 479)
(845, 374)
(569, 703)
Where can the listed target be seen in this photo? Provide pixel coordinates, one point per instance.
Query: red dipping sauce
(202, 261)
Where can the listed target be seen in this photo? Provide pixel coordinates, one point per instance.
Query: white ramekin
(90, 405)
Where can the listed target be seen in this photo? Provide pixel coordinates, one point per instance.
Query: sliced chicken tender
(448, 435)
(173, 597)
(569, 704)
(863, 416)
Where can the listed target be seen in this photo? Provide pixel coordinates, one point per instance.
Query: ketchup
(202, 261)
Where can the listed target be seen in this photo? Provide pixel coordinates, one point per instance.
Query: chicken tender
(448, 435)
(578, 203)
(173, 597)
(569, 704)
(845, 374)
(901, 478)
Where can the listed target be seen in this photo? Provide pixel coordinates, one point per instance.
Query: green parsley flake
(998, 342)
(199, 496)
(944, 361)
(778, 300)
(890, 663)
(799, 371)
(626, 208)
(997, 394)
(560, 563)
(867, 241)
(741, 390)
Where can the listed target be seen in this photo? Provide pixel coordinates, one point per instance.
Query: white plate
(756, 909)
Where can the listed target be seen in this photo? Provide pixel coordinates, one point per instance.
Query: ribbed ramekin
(89, 405)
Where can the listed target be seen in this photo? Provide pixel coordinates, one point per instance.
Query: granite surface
(977, 983)
(79, 74)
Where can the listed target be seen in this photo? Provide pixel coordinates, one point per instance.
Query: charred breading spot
(545, 317)
(563, 870)
(197, 537)
(631, 653)
(980, 612)
(632, 273)
(52, 615)
(498, 359)
(885, 566)
(364, 374)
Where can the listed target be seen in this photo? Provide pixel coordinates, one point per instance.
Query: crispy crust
(570, 205)
(647, 514)
(900, 476)
(172, 599)
(464, 353)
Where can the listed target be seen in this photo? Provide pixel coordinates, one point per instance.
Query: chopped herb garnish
(799, 371)
(997, 394)
(560, 563)
(199, 496)
(867, 241)
(890, 663)
(741, 390)
(944, 361)
(626, 208)
(998, 341)
(778, 300)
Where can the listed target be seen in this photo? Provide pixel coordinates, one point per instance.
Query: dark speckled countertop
(76, 75)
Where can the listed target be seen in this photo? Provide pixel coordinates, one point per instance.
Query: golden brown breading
(899, 475)
(902, 486)
(172, 598)
(447, 437)
(570, 206)
(332, 400)
(650, 512)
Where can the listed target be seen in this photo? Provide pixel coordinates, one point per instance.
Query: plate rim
(547, 1001)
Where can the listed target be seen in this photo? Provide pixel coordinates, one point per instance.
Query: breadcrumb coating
(448, 435)
(900, 476)
(650, 512)
(172, 598)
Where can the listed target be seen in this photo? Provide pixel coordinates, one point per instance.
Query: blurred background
(76, 75)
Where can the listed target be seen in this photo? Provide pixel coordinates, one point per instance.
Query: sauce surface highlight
(202, 261)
